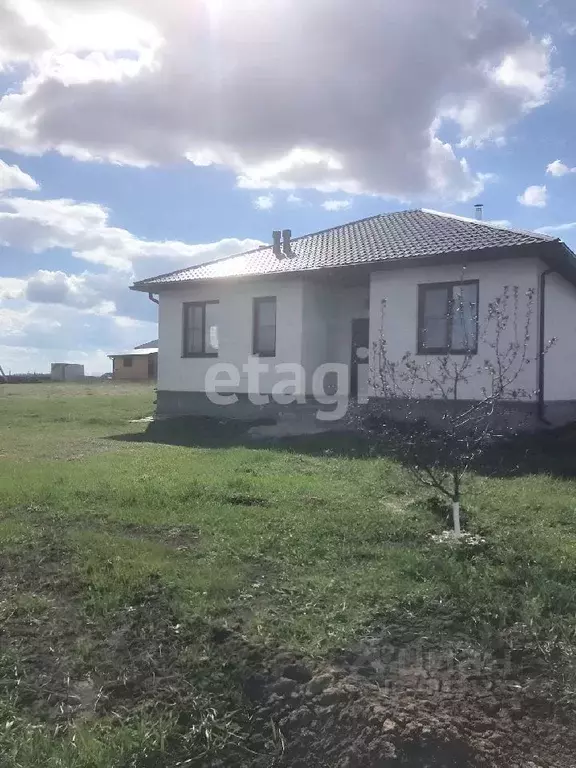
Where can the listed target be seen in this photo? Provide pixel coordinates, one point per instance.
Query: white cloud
(557, 228)
(39, 225)
(51, 309)
(522, 81)
(96, 294)
(34, 335)
(11, 288)
(14, 322)
(128, 322)
(86, 291)
(264, 202)
(293, 199)
(558, 168)
(535, 196)
(204, 81)
(12, 177)
(23, 32)
(503, 223)
(30, 29)
(336, 205)
(449, 177)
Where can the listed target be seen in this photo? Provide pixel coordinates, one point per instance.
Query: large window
(264, 333)
(201, 329)
(448, 318)
(127, 362)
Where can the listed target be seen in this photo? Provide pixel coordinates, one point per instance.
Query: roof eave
(133, 353)
(536, 249)
(562, 259)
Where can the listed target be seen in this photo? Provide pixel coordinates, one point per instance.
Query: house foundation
(313, 415)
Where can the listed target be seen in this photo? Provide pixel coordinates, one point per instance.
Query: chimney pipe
(277, 244)
(287, 242)
(479, 208)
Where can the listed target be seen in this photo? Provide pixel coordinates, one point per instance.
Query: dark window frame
(422, 288)
(256, 304)
(185, 329)
(128, 361)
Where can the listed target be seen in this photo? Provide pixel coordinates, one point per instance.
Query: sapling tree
(470, 388)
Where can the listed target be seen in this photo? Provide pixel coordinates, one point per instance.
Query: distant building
(66, 372)
(139, 364)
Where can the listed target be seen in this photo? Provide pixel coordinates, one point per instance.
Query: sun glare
(218, 10)
(111, 31)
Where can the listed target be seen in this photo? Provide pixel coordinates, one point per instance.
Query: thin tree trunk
(456, 503)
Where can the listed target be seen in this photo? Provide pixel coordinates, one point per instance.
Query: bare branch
(440, 456)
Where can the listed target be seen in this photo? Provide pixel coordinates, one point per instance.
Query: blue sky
(140, 137)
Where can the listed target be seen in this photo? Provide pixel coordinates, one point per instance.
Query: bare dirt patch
(230, 703)
(343, 720)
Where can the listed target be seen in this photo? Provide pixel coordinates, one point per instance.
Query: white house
(243, 326)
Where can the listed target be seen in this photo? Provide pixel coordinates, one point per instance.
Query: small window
(264, 336)
(448, 318)
(201, 329)
(127, 361)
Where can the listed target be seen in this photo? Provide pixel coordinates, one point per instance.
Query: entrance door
(152, 366)
(360, 355)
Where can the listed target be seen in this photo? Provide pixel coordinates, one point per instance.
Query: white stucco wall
(329, 309)
(399, 290)
(314, 323)
(313, 326)
(180, 374)
(560, 360)
(347, 304)
(315, 307)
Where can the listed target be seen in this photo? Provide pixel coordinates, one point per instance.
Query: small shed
(66, 372)
(139, 364)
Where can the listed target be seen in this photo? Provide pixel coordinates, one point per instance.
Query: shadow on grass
(552, 452)
(207, 432)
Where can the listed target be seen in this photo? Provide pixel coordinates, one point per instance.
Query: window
(201, 329)
(264, 334)
(448, 318)
(127, 362)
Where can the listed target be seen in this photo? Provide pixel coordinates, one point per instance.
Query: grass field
(146, 574)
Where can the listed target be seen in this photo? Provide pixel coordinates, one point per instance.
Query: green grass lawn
(127, 556)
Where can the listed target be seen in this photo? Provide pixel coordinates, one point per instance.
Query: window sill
(200, 355)
(264, 354)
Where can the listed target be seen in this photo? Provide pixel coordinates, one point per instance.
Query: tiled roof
(392, 236)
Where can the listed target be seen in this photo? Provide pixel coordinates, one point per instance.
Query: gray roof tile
(386, 237)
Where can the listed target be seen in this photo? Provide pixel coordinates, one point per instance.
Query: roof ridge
(482, 223)
(266, 247)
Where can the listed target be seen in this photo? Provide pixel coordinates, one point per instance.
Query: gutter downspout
(156, 301)
(542, 349)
